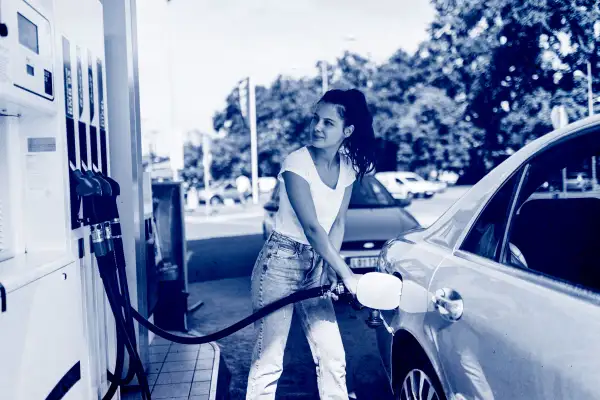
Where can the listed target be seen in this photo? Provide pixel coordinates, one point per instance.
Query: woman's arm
(336, 236)
(298, 192)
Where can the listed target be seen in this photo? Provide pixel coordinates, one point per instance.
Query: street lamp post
(324, 76)
(247, 100)
(591, 112)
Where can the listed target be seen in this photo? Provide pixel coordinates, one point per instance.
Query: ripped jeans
(285, 266)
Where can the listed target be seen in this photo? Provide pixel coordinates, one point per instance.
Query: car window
(485, 237)
(370, 193)
(410, 179)
(554, 230)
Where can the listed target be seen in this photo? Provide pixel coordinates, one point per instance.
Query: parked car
(449, 177)
(501, 296)
(219, 192)
(397, 189)
(414, 183)
(373, 217)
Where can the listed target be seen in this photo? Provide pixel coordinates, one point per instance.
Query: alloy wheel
(418, 386)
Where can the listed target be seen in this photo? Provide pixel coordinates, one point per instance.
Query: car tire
(215, 201)
(409, 376)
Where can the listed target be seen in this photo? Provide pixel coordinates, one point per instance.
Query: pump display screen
(28, 34)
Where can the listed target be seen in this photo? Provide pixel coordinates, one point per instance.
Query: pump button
(48, 88)
(3, 297)
(30, 70)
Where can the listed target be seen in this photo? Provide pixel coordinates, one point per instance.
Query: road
(221, 252)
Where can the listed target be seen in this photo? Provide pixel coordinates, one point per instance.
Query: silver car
(501, 296)
(373, 217)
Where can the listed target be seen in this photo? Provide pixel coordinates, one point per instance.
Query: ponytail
(354, 110)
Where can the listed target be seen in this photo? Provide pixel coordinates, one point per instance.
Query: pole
(206, 162)
(175, 141)
(253, 139)
(324, 77)
(591, 112)
(590, 93)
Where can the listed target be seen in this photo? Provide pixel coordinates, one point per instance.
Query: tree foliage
(481, 86)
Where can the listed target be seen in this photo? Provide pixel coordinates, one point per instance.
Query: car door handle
(448, 304)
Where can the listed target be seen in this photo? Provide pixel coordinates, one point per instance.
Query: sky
(192, 53)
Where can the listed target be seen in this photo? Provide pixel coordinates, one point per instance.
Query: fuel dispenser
(56, 338)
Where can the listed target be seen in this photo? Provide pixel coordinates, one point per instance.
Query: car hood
(377, 223)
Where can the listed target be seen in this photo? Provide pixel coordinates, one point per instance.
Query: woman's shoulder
(296, 162)
(296, 156)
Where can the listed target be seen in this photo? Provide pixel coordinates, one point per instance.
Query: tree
(283, 113)
(500, 54)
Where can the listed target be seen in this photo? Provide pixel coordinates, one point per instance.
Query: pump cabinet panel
(42, 339)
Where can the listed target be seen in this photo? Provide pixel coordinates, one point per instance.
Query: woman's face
(327, 127)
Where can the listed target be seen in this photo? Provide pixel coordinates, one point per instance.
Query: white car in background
(397, 189)
(415, 185)
(449, 177)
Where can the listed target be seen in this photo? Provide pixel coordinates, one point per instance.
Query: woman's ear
(348, 131)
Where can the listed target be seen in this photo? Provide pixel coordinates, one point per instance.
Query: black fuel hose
(261, 313)
(114, 379)
(114, 302)
(119, 259)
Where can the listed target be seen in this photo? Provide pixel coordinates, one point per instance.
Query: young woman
(316, 184)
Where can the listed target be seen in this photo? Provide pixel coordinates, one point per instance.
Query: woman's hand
(351, 282)
(328, 276)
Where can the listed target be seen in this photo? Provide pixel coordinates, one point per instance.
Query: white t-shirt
(327, 201)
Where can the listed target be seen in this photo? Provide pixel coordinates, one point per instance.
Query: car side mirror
(271, 206)
(402, 202)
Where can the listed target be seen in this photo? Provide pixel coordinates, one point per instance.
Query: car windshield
(370, 194)
(410, 178)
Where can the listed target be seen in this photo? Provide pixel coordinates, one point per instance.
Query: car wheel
(215, 201)
(418, 381)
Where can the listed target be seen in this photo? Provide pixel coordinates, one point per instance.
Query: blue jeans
(283, 267)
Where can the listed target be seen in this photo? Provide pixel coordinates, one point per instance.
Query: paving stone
(175, 377)
(178, 366)
(171, 390)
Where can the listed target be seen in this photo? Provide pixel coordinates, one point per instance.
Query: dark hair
(360, 146)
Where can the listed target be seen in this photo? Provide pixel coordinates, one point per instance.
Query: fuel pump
(52, 320)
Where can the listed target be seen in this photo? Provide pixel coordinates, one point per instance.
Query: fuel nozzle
(344, 294)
